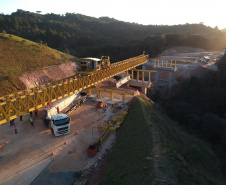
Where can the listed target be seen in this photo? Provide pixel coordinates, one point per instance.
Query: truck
(59, 122)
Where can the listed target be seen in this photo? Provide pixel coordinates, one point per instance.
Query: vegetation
(18, 55)
(201, 108)
(83, 36)
(152, 149)
(86, 36)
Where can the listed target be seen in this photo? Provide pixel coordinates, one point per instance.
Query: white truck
(59, 123)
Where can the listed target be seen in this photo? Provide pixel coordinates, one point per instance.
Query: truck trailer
(58, 121)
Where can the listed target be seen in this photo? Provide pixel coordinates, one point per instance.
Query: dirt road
(24, 155)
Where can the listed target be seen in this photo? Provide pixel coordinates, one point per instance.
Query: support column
(89, 92)
(111, 95)
(170, 79)
(123, 97)
(142, 75)
(144, 90)
(100, 94)
(157, 77)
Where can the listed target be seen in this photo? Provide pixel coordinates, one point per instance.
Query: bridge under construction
(20, 103)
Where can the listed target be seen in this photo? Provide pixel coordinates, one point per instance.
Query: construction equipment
(101, 104)
(89, 64)
(93, 149)
(59, 123)
(20, 103)
(105, 62)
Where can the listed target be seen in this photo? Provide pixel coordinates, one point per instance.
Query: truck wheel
(52, 131)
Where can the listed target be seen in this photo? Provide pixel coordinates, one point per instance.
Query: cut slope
(151, 149)
(18, 55)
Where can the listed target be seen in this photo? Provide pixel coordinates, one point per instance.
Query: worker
(36, 112)
(11, 122)
(104, 108)
(21, 118)
(31, 120)
(58, 110)
(15, 128)
(31, 113)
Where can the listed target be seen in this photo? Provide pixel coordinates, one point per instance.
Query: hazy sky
(156, 12)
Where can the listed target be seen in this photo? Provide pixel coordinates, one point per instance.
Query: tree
(3, 32)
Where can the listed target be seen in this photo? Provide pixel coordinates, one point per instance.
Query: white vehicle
(59, 123)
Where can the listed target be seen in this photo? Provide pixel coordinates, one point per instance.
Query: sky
(146, 12)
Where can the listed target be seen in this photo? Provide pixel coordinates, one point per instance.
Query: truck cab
(60, 124)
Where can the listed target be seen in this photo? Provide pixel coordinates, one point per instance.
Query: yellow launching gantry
(20, 103)
(90, 65)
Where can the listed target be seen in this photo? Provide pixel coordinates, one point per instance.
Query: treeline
(200, 107)
(84, 36)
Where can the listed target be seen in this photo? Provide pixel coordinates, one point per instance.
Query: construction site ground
(34, 156)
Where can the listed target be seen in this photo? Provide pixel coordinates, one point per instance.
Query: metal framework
(165, 63)
(138, 71)
(20, 103)
(110, 91)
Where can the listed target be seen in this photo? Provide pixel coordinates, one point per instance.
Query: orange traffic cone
(52, 153)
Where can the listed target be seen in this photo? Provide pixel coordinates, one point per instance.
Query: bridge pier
(144, 85)
(144, 90)
(156, 77)
(170, 79)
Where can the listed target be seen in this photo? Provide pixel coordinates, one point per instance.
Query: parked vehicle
(59, 122)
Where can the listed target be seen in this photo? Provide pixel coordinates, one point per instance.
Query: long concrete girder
(20, 103)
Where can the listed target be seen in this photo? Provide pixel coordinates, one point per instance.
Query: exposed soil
(24, 155)
(48, 74)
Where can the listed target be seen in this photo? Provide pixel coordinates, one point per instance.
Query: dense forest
(84, 36)
(200, 108)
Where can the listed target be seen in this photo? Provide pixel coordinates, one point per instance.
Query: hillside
(152, 149)
(18, 55)
(85, 36)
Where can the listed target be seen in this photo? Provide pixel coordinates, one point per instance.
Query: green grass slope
(18, 55)
(152, 149)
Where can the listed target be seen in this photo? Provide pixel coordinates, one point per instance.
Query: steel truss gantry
(20, 103)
